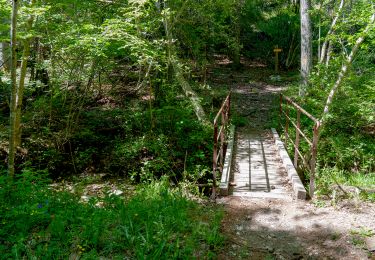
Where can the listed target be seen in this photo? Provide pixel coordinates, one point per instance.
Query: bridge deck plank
(258, 171)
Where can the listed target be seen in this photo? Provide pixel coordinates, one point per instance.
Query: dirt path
(286, 228)
(279, 229)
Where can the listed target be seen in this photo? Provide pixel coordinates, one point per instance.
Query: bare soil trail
(285, 228)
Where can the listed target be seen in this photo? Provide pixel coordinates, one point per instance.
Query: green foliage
(358, 236)
(135, 142)
(5, 9)
(157, 222)
(278, 28)
(239, 121)
(109, 103)
(363, 184)
(346, 138)
(177, 141)
(346, 144)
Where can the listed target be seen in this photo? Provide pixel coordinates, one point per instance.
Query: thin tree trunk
(331, 31)
(329, 51)
(319, 38)
(306, 45)
(175, 64)
(346, 65)
(2, 56)
(237, 34)
(21, 85)
(13, 98)
(34, 60)
(320, 29)
(292, 47)
(26, 54)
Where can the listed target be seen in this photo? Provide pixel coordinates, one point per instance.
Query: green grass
(157, 223)
(330, 177)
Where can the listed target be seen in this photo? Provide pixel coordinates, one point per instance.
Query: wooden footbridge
(254, 163)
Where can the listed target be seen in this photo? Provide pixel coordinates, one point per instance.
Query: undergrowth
(129, 140)
(157, 223)
(346, 143)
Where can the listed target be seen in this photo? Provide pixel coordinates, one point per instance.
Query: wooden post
(222, 139)
(297, 138)
(222, 117)
(314, 153)
(229, 101)
(281, 110)
(276, 51)
(286, 125)
(214, 163)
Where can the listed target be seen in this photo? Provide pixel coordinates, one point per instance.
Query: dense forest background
(124, 88)
(101, 88)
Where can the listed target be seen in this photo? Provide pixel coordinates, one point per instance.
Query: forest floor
(258, 228)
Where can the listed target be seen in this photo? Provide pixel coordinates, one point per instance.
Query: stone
(116, 192)
(370, 243)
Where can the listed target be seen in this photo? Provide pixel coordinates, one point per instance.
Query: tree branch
(346, 65)
(331, 31)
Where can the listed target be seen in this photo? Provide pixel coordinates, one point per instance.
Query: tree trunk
(329, 51)
(319, 38)
(13, 99)
(2, 56)
(331, 31)
(21, 85)
(293, 46)
(306, 45)
(236, 48)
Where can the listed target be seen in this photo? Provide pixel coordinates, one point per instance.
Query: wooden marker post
(276, 51)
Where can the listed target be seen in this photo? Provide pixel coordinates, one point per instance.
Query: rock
(370, 243)
(85, 198)
(116, 192)
(74, 256)
(239, 228)
(100, 204)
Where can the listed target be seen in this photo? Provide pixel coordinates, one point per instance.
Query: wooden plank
(258, 172)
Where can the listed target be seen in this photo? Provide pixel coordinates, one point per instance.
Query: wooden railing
(220, 124)
(309, 159)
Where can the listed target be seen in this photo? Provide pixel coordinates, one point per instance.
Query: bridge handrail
(220, 122)
(309, 164)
